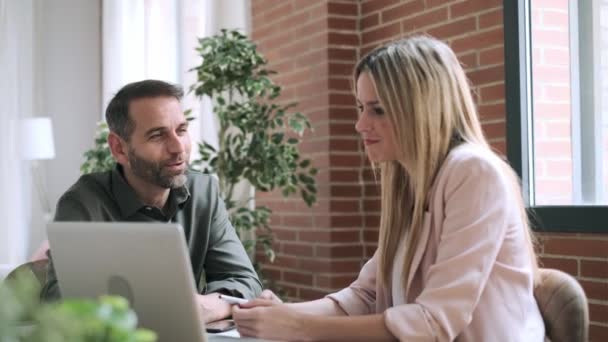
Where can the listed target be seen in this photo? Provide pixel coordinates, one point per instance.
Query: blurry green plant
(24, 319)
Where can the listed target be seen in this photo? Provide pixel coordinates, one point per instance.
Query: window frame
(518, 92)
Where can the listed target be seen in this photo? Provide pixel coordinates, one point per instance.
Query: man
(151, 182)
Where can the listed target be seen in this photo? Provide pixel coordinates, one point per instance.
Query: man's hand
(212, 307)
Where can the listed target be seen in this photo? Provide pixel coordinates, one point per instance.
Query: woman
(455, 259)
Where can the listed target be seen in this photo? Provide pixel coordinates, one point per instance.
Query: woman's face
(373, 124)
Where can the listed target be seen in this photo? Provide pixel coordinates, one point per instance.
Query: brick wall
(313, 45)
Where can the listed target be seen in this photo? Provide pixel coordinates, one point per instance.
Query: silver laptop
(147, 263)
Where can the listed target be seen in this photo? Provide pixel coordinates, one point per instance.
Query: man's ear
(119, 148)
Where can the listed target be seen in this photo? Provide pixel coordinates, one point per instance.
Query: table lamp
(37, 144)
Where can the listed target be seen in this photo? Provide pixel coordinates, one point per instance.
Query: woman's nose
(362, 124)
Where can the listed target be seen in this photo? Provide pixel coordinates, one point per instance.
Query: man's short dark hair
(117, 113)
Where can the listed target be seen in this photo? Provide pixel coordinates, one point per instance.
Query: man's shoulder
(89, 186)
(198, 181)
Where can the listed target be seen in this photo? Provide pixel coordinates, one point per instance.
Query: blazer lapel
(421, 248)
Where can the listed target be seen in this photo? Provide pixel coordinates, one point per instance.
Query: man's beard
(152, 172)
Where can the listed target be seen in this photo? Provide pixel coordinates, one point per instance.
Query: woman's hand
(270, 320)
(266, 298)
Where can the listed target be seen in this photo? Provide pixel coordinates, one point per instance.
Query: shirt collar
(129, 203)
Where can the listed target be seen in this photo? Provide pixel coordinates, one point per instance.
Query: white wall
(68, 75)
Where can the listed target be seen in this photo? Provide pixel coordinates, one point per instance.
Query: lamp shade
(37, 139)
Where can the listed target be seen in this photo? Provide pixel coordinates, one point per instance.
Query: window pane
(569, 48)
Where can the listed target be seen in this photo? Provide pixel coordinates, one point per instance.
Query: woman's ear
(119, 148)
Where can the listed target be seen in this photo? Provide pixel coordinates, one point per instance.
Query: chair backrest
(563, 305)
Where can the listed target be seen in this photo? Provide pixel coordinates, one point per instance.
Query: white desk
(231, 336)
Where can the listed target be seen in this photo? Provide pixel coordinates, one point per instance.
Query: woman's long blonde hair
(428, 101)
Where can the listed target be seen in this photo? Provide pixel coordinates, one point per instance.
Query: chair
(563, 305)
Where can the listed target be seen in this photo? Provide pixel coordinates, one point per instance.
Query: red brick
(372, 190)
(494, 130)
(455, 28)
(598, 312)
(491, 19)
(343, 55)
(342, 69)
(495, 55)
(598, 333)
(478, 40)
(413, 24)
(492, 93)
(492, 111)
(347, 206)
(298, 278)
(285, 261)
(315, 265)
(351, 235)
(403, 10)
(595, 269)
(345, 145)
(370, 21)
(339, 38)
(343, 251)
(341, 8)
(348, 112)
(376, 5)
(344, 175)
(345, 160)
(487, 75)
(278, 12)
(471, 7)
(342, 129)
(381, 33)
(595, 289)
(297, 221)
(296, 249)
(353, 221)
(372, 221)
(569, 266)
(284, 234)
(317, 26)
(346, 24)
(345, 190)
(340, 84)
(271, 273)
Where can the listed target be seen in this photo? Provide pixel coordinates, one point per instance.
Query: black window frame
(544, 218)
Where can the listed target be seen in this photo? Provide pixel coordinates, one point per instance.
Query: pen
(233, 300)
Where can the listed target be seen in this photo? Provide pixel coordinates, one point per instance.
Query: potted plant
(258, 138)
(23, 318)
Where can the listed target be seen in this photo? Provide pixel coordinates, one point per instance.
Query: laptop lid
(147, 263)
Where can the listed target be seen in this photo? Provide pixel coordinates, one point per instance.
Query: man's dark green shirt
(219, 261)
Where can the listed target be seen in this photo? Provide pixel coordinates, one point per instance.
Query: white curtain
(145, 39)
(16, 102)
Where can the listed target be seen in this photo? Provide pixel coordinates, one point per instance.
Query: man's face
(159, 148)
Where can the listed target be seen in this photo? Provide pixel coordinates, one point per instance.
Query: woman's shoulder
(473, 156)
(472, 162)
